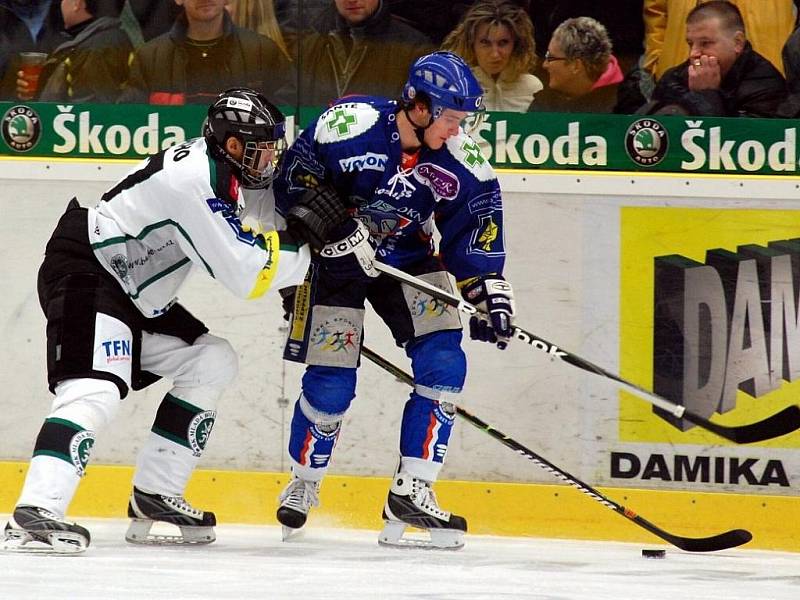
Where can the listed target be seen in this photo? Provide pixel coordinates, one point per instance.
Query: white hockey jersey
(176, 210)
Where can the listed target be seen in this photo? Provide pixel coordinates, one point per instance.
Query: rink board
(582, 249)
(511, 509)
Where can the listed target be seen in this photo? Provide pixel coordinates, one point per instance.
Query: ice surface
(251, 562)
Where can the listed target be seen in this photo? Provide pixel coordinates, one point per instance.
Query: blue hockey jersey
(354, 146)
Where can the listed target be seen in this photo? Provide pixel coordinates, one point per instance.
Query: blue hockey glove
(493, 295)
(352, 256)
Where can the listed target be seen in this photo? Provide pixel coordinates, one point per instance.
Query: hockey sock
(177, 440)
(425, 433)
(59, 460)
(312, 440)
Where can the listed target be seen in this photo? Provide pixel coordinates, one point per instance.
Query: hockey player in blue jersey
(403, 167)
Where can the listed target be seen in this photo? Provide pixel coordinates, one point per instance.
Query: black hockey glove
(493, 295)
(352, 256)
(318, 212)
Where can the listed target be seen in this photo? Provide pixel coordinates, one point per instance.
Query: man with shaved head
(723, 75)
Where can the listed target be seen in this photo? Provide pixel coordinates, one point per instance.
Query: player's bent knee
(329, 389)
(219, 365)
(90, 403)
(438, 361)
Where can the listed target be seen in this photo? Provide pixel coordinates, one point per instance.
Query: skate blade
(393, 532)
(139, 532)
(55, 542)
(291, 533)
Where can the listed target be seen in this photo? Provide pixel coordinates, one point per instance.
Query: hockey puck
(654, 553)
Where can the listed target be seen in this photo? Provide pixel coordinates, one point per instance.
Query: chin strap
(418, 130)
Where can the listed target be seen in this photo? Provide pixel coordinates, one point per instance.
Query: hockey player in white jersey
(108, 287)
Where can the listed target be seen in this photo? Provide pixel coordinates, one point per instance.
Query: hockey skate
(33, 529)
(146, 509)
(296, 500)
(412, 503)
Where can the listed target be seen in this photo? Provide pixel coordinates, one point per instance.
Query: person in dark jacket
(25, 26)
(367, 51)
(204, 53)
(91, 63)
(723, 76)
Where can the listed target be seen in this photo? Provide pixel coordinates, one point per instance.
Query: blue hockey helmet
(446, 82)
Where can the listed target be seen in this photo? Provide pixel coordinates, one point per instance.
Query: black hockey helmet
(258, 124)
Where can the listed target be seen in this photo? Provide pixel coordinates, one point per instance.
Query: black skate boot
(197, 527)
(296, 500)
(34, 529)
(411, 502)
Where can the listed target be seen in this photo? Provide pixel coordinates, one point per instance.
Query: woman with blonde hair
(258, 16)
(496, 39)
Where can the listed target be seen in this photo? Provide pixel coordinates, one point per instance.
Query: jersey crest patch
(345, 122)
(468, 153)
(484, 238)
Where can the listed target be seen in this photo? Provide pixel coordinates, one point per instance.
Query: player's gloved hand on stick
(351, 256)
(318, 212)
(494, 296)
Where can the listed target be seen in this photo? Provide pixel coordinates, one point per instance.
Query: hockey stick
(722, 541)
(781, 423)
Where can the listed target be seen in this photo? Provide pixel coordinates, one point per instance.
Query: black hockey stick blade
(714, 543)
(781, 423)
(722, 541)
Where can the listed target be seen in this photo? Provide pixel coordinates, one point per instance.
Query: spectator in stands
(204, 53)
(583, 74)
(259, 16)
(91, 65)
(723, 76)
(367, 52)
(495, 38)
(25, 26)
(768, 24)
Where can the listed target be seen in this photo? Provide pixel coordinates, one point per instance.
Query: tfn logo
(117, 350)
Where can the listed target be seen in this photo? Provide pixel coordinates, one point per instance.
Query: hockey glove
(494, 296)
(318, 212)
(352, 256)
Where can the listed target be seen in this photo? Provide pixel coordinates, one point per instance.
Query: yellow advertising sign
(724, 319)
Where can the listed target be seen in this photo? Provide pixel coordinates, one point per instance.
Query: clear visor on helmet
(260, 159)
(470, 121)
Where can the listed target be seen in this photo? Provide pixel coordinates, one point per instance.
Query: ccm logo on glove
(352, 256)
(346, 245)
